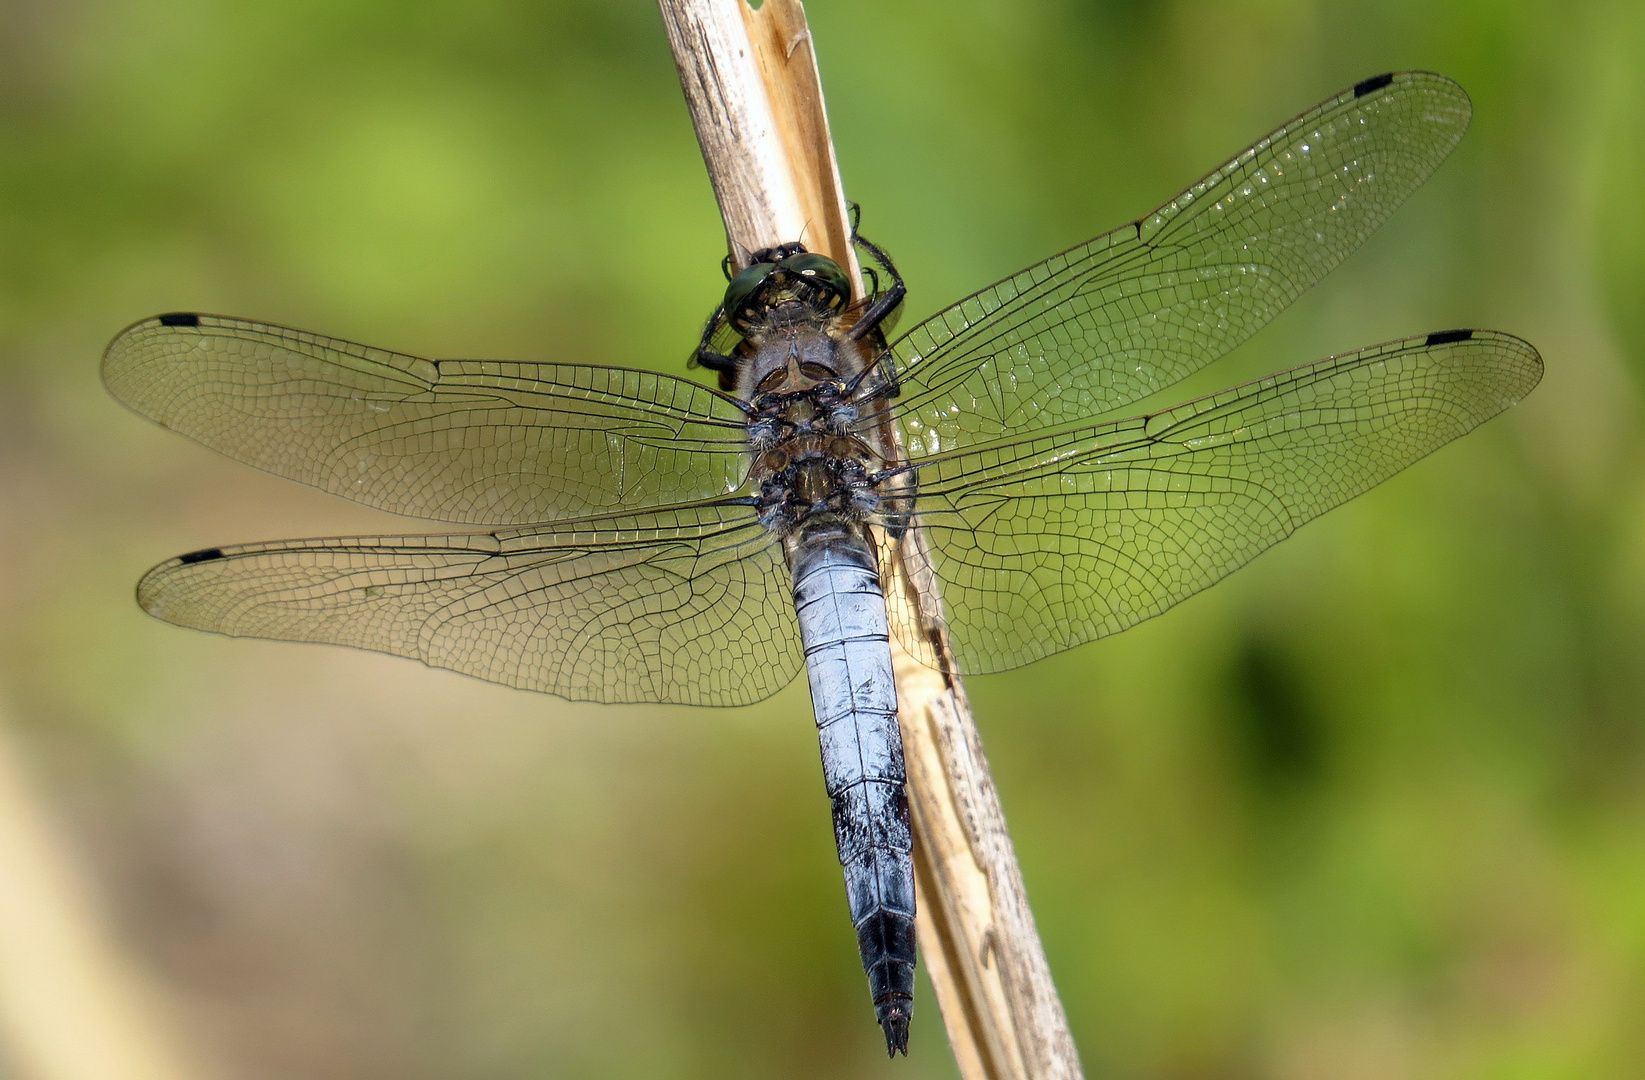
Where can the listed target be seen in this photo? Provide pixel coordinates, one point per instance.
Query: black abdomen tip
(180, 318)
(1447, 337)
(895, 1023)
(1372, 85)
(200, 556)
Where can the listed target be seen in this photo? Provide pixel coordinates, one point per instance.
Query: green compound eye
(822, 270)
(743, 286)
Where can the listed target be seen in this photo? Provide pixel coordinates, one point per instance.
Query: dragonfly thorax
(806, 460)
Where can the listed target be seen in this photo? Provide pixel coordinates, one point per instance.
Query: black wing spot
(1372, 85)
(180, 318)
(1447, 337)
(200, 556)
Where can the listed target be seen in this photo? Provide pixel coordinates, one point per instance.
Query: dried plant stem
(750, 80)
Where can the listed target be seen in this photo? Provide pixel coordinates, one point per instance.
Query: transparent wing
(1046, 543)
(687, 605)
(472, 441)
(1132, 312)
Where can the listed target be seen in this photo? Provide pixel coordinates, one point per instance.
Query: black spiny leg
(874, 321)
(897, 499)
(705, 356)
(887, 301)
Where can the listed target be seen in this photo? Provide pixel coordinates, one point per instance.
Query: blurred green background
(1373, 808)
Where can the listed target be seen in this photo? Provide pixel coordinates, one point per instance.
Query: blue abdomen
(848, 659)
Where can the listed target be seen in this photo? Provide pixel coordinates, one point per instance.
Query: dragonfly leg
(704, 355)
(872, 325)
(886, 302)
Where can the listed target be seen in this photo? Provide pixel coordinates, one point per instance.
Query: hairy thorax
(810, 470)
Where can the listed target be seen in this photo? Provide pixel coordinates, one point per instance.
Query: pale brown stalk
(750, 80)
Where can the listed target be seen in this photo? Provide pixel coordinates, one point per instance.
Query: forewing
(472, 441)
(1137, 309)
(689, 605)
(1043, 544)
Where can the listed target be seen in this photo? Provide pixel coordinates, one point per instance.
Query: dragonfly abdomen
(848, 660)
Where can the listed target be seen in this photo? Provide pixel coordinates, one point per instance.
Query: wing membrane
(1043, 544)
(469, 441)
(1137, 309)
(688, 605)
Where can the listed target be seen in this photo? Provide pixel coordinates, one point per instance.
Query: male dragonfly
(650, 539)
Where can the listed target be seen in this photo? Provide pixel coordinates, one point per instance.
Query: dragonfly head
(785, 275)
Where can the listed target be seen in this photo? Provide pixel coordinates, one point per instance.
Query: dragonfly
(618, 535)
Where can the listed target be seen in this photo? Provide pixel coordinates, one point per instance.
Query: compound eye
(823, 271)
(743, 287)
